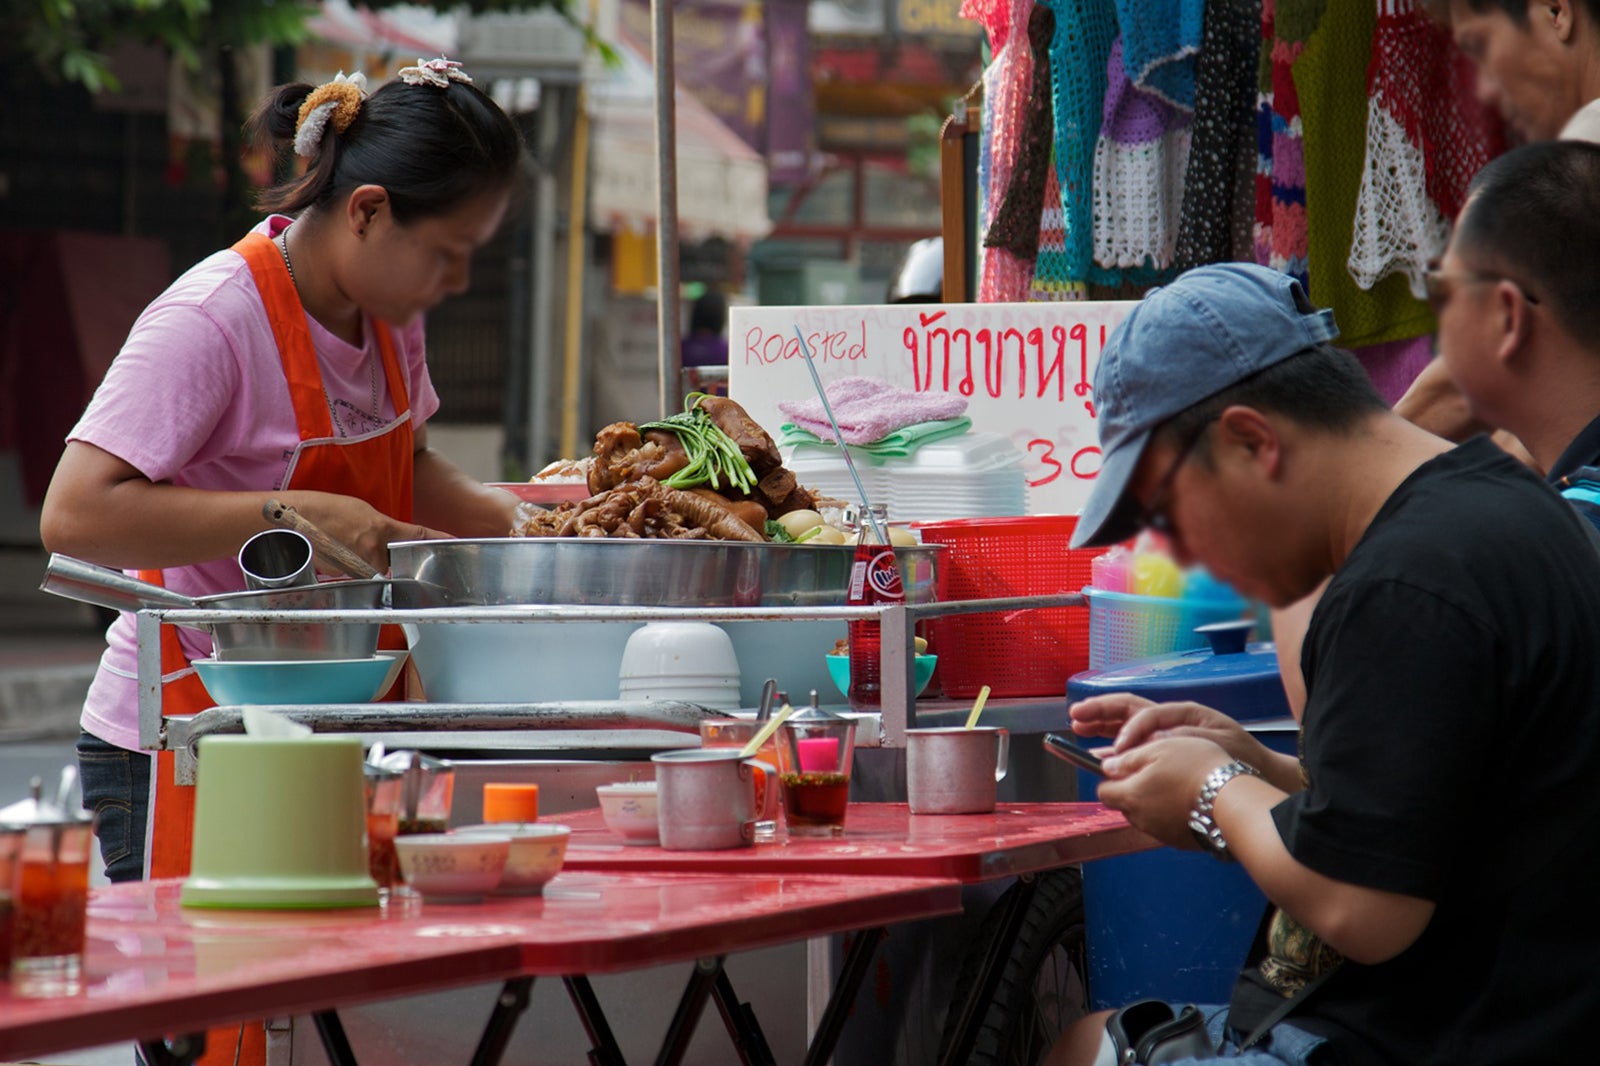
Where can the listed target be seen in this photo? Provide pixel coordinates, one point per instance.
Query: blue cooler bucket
(1167, 923)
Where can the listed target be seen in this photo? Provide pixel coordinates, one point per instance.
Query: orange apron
(376, 468)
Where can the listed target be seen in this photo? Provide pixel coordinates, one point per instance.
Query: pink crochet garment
(1004, 277)
(868, 409)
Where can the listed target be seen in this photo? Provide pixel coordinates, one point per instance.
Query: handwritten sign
(1025, 370)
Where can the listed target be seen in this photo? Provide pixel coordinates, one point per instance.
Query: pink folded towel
(869, 409)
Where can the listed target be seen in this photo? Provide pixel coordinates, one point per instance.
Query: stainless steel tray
(639, 573)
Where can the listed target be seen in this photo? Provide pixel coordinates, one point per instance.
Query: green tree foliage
(69, 40)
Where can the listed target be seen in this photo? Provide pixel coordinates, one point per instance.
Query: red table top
(153, 967)
(886, 839)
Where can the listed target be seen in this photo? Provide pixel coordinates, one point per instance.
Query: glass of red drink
(50, 905)
(10, 847)
(383, 824)
(815, 751)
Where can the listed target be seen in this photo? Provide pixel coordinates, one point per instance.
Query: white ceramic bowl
(453, 868)
(537, 851)
(629, 809)
(699, 651)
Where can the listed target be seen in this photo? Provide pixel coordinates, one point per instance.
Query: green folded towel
(902, 442)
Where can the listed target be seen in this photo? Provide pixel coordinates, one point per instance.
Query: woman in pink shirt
(292, 366)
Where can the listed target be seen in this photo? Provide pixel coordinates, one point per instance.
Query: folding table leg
(687, 1015)
(508, 1007)
(748, 1039)
(844, 995)
(178, 1051)
(603, 1046)
(994, 963)
(334, 1042)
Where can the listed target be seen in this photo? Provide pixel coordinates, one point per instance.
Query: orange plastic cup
(510, 803)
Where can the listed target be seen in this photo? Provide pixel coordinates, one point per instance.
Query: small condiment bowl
(629, 810)
(537, 851)
(453, 868)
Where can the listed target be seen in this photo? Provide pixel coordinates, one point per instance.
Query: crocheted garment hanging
(1017, 125)
(1330, 80)
(1139, 162)
(1218, 195)
(1426, 136)
(1050, 271)
(1280, 223)
(1078, 52)
(1160, 39)
(1010, 85)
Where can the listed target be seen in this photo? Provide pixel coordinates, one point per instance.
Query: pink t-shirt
(197, 397)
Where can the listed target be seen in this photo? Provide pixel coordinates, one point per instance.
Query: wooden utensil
(333, 553)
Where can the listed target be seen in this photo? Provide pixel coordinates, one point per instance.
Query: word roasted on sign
(1025, 370)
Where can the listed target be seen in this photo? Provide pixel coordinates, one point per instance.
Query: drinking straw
(877, 528)
(766, 731)
(977, 706)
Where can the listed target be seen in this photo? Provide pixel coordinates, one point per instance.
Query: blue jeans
(1284, 1045)
(116, 787)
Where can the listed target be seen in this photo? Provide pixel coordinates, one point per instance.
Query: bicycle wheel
(1044, 982)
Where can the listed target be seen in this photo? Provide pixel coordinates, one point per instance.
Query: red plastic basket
(1018, 653)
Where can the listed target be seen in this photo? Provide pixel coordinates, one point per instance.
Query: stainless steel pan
(89, 583)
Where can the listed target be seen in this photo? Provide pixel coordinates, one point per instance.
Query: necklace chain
(372, 361)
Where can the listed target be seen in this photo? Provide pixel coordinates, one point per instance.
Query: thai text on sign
(1025, 370)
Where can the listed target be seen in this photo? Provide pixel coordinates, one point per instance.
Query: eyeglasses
(1440, 285)
(1153, 515)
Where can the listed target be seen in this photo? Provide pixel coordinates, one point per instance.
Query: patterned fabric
(1330, 80)
(1160, 39)
(1078, 53)
(1138, 173)
(1280, 223)
(1218, 193)
(1394, 365)
(1015, 228)
(1011, 85)
(1051, 278)
(1426, 136)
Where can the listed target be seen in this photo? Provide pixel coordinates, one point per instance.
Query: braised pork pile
(629, 500)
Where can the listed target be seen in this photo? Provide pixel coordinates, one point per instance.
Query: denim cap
(1210, 329)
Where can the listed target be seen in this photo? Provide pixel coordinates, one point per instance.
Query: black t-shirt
(1452, 740)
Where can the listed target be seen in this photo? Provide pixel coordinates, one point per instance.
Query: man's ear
(1252, 433)
(1513, 317)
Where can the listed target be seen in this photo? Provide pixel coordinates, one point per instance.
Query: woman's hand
(357, 524)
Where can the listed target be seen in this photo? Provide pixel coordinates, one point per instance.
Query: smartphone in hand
(1073, 752)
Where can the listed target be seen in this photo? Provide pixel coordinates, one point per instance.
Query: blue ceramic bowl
(839, 670)
(299, 681)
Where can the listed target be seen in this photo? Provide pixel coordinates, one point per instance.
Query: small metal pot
(244, 640)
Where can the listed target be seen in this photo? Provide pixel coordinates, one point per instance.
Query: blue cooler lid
(1239, 679)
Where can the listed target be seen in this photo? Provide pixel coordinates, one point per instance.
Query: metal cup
(955, 770)
(277, 559)
(706, 798)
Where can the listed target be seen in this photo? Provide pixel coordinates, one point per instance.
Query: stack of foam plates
(974, 475)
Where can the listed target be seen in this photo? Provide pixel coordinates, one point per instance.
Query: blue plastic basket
(1124, 627)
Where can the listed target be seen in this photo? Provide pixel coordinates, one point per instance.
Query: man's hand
(1156, 785)
(1135, 721)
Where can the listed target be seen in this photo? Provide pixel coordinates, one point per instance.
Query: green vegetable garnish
(776, 532)
(713, 456)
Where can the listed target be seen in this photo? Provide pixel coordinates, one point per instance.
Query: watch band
(1201, 824)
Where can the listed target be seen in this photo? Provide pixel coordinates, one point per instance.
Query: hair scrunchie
(335, 102)
(436, 72)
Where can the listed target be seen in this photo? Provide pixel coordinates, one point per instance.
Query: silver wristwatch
(1201, 824)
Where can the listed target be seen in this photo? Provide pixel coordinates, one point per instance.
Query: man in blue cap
(1428, 898)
